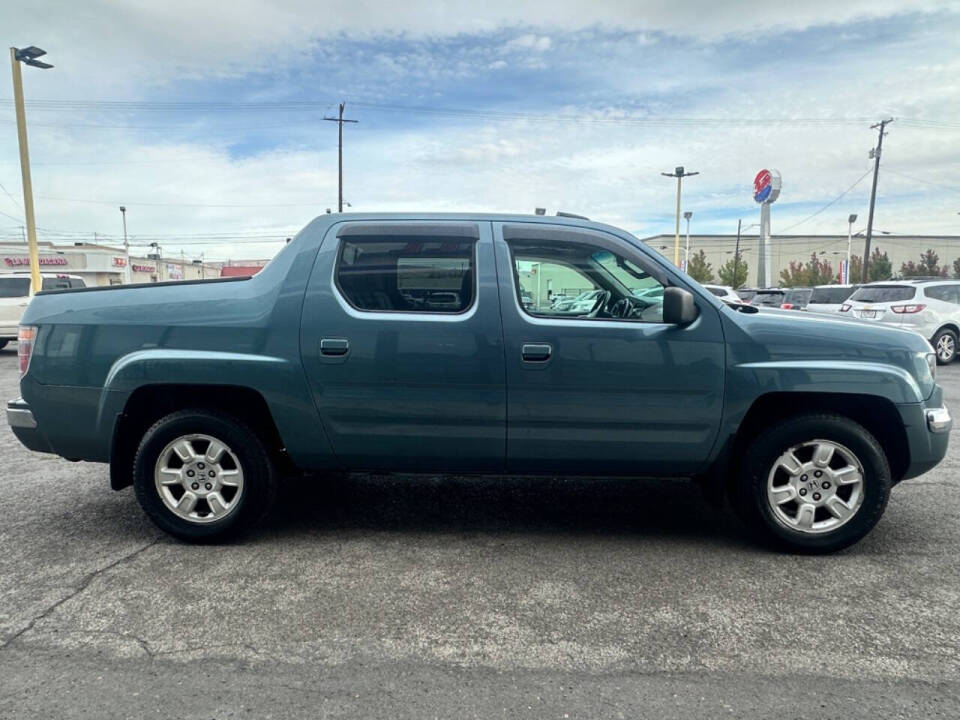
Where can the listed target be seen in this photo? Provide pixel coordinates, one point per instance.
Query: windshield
(14, 287)
(884, 293)
(830, 295)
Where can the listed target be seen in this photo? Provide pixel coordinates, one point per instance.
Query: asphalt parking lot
(462, 597)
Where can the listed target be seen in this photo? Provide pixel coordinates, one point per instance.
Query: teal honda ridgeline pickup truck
(437, 344)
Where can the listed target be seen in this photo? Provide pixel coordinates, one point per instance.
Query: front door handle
(539, 352)
(334, 347)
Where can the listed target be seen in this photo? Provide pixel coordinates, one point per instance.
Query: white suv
(15, 295)
(929, 307)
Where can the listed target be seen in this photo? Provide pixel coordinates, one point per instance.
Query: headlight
(932, 364)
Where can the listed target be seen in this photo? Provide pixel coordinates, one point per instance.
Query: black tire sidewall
(243, 442)
(769, 445)
(936, 339)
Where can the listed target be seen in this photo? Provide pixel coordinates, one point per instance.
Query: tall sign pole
(873, 195)
(28, 55)
(679, 174)
(766, 190)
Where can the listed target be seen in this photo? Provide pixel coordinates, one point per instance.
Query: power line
(829, 204)
(174, 204)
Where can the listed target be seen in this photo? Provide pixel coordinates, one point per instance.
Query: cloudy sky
(206, 118)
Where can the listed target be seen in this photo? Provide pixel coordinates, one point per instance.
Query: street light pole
(686, 253)
(679, 174)
(736, 256)
(29, 56)
(850, 221)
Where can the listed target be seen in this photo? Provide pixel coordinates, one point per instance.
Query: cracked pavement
(464, 597)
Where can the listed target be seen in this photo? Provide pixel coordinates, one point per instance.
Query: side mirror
(678, 306)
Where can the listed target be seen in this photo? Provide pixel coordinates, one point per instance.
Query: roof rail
(560, 213)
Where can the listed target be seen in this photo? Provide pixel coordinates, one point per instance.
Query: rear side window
(947, 293)
(884, 293)
(407, 274)
(831, 295)
(14, 287)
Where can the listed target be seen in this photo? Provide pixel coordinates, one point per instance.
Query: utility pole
(736, 256)
(873, 194)
(29, 56)
(679, 174)
(340, 121)
(126, 246)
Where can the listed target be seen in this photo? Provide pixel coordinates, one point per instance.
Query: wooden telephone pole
(340, 121)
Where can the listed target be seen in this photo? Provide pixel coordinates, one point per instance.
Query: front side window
(407, 274)
(582, 281)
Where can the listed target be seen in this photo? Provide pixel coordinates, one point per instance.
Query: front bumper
(24, 425)
(928, 433)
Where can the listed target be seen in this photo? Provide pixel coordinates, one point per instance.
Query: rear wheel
(202, 476)
(945, 345)
(814, 483)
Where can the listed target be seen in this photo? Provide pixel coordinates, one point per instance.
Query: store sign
(25, 261)
(174, 273)
(119, 262)
(144, 268)
(766, 187)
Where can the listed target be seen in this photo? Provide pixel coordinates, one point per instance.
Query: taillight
(786, 306)
(26, 337)
(845, 307)
(907, 309)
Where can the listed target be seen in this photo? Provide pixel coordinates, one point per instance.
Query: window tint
(583, 281)
(12, 287)
(768, 298)
(56, 283)
(408, 274)
(947, 293)
(884, 293)
(831, 295)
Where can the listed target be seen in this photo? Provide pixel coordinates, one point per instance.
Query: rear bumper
(9, 332)
(24, 425)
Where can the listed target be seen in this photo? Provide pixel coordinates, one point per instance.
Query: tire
(3, 344)
(775, 503)
(948, 339)
(241, 499)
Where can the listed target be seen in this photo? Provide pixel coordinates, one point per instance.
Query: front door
(402, 344)
(597, 383)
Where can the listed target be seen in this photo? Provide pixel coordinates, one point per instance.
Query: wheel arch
(878, 415)
(149, 403)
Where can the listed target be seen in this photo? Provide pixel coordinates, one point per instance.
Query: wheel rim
(815, 487)
(946, 347)
(199, 478)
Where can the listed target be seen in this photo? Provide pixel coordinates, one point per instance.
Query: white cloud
(528, 42)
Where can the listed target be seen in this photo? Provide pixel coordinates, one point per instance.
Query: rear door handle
(536, 352)
(334, 347)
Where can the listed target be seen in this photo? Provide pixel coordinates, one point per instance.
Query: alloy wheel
(815, 487)
(199, 478)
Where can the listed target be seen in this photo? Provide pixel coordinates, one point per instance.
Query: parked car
(746, 294)
(784, 298)
(15, 295)
(724, 292)
(201, 394)
(830, 298)
(929, 307)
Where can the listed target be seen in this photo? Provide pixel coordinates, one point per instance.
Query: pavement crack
(81, 586)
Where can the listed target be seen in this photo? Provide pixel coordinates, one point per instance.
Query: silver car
(929, 307)
(828, 299)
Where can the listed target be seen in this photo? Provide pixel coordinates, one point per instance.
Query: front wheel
(814, 483)
(945, 345)
(202, 476)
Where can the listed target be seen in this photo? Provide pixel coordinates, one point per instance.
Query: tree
(929, 265)
(726, 272)
(813, 272)
(880, 267)
(699, 269)
(956, 268)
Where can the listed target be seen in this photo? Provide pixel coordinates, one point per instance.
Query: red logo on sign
(761, 181)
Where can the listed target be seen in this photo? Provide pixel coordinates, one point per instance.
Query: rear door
(604, 391)
(402, 345)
